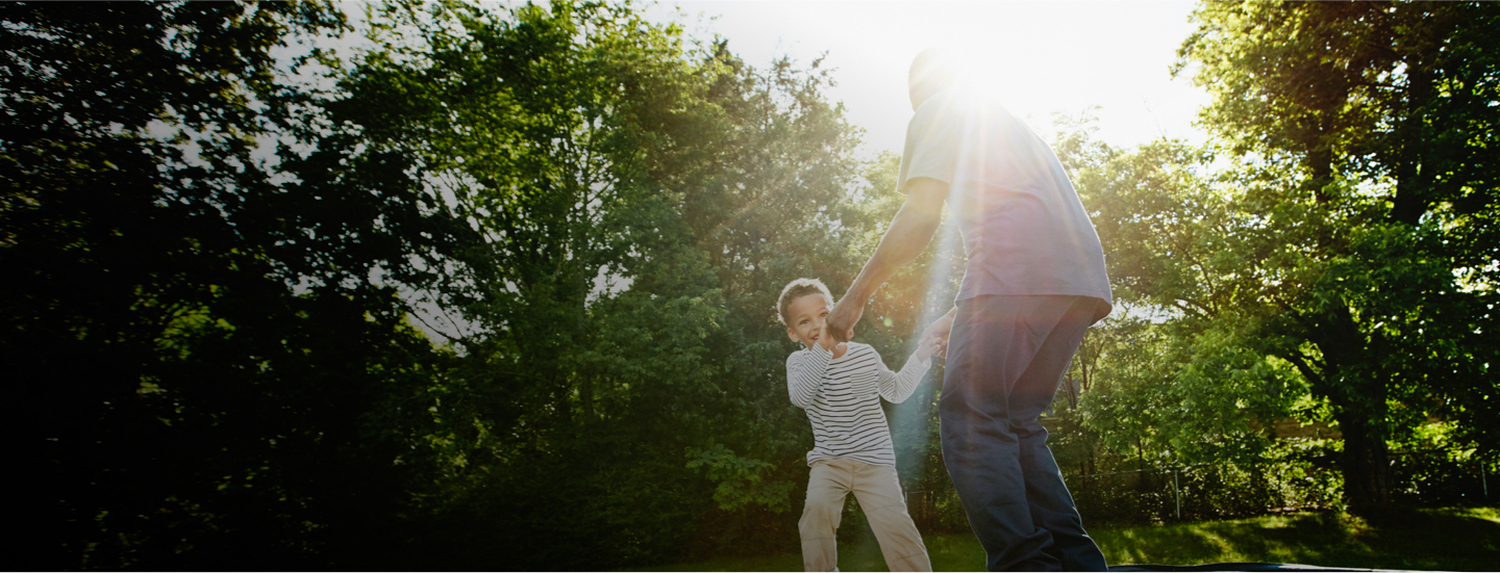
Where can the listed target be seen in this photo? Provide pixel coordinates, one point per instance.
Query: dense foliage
(496, 291)
(192, 325)
(1348, 246)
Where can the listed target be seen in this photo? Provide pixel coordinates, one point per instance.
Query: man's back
(1025, 230)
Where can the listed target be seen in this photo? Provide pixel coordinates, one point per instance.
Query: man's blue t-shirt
(1024, 229)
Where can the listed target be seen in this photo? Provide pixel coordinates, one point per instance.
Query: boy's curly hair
(798, 289)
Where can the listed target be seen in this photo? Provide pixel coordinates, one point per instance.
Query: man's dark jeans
(1006, 355)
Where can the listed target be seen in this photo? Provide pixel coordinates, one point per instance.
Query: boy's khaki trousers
(879, 493)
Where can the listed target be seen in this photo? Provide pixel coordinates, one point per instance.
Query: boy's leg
(827, 484)
(878, 490)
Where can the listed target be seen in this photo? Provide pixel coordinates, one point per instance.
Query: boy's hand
(837, 348)
(936, 336)
(931, 344)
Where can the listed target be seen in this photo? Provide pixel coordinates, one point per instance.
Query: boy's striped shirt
(842, 400)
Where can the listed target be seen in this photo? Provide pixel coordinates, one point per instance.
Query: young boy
(840, 386)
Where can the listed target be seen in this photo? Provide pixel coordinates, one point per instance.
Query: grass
(1454, 539)
(1463, 539)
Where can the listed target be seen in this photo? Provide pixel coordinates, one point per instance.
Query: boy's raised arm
(897, 387)
(804, 374)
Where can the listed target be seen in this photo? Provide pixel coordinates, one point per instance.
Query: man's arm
(911, 229)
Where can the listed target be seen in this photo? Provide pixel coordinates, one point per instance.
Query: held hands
(931, 344)
(840, 321)
(935, 338)
(837, 348)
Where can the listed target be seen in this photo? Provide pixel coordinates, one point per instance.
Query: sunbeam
(937, 298)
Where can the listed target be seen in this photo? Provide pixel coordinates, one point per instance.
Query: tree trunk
(1367, 468)
(1358, 397)
(586, 396)
(1413, 181)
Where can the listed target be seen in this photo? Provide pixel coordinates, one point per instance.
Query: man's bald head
(933, 70)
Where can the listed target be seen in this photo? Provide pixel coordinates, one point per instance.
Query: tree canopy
(1341, 266)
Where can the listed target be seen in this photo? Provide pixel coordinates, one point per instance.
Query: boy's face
(805, 318)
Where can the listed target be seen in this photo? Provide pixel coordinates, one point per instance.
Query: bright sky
(1043, 56)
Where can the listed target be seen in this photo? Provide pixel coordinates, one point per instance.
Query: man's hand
(841, 319)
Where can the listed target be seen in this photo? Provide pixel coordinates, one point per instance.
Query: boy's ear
(791, 334)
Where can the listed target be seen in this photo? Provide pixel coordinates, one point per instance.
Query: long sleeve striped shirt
(842, 400)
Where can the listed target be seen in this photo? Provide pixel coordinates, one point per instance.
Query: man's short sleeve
(932, 143)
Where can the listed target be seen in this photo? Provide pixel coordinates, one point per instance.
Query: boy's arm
(804, 374)
(896, 387)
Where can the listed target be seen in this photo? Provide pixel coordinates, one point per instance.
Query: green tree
(1354, 236)
(639, 202)
(207, 359)
(1177, 379)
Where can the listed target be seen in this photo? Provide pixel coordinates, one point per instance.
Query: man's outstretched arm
(911, 229)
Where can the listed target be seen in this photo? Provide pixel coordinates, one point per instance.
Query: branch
(1301, 362)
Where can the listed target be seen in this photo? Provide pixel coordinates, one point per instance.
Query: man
(1035, 282)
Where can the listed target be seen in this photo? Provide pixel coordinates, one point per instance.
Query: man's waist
(975, 285)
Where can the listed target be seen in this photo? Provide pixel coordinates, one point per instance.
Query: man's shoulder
(950, 114)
